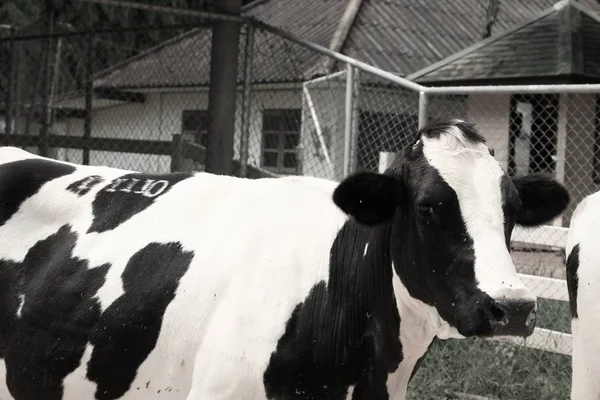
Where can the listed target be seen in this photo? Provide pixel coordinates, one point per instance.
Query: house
(297, 104)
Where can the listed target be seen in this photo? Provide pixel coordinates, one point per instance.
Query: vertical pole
(44, 144)
(348, 113)
(355, 120)
(12, 69)
(54, 81)
(223, 90)
(176, 153)
(423, 102)
(87, 122)
(246, 101)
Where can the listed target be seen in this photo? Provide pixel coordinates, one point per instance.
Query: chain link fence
(141, 102)
(64, 94)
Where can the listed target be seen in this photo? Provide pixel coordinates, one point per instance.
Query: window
(280, 141)
(194, 126)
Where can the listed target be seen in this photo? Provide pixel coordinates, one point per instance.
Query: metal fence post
(87, 122)
(222, 92)
(349, 115)
(246, 99)
(423, 102)
(355, 120)
(12, 69)
(44, 142)
(176, 144)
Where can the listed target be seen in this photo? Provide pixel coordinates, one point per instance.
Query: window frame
(199, 134)
(287, 117)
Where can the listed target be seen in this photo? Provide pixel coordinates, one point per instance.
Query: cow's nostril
(512, 317)
(498, 313)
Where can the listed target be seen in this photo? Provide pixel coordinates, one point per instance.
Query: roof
(185, 60)
(560, 41)
(400, 36)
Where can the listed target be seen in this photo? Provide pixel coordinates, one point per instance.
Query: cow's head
(452, 210)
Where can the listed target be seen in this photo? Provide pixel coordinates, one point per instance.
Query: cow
(117, 284)
(583, 286)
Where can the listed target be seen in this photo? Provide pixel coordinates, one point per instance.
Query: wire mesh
(127, 119)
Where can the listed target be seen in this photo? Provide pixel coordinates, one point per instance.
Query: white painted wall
(579, 148)
(323, 110)
(159, 118)
(491, 114)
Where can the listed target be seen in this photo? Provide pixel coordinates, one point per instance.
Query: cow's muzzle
(512, 317)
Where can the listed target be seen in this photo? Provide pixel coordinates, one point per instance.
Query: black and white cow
(583, 283)
(122, 285)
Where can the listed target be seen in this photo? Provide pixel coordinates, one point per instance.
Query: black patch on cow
(573, 279)
(130, 326)
(128, 195)
(542, 198)
(22, 179)
(345, 332)
(83, 186)
(511, 203)
(47, 342)
(370, 198)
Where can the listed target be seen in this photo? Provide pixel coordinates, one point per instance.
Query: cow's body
(223, 296)
(121, 285)
(583, 281)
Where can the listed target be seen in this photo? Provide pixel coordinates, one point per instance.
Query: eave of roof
(566, 52)
(483, 43)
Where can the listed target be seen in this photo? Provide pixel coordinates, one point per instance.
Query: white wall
(323, 113)
(491, 114)
(579, 148)
(158, 118)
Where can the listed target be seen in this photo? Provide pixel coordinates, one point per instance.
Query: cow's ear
(542, 199)
(369, 197)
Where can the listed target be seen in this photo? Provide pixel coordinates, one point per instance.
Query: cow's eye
(425, 210)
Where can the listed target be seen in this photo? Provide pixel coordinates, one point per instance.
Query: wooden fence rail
(177, 148)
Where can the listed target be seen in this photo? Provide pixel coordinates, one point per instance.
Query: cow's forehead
(470, 170)
(461, 161)
(452, 139)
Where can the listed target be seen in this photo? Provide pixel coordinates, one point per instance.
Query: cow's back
(583, 279)
(144, 286)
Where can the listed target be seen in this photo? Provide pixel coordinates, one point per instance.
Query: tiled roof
(185, 60)
(404, 36)
(561, 41)
(400, 36)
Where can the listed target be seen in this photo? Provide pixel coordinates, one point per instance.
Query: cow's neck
(346, 332)
(361, 302)
(399, 329)
(420, 322)
(417, 285)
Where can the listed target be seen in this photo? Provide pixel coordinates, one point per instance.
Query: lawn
(497, 370)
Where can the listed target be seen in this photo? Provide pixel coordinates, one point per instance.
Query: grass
(497, 370)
